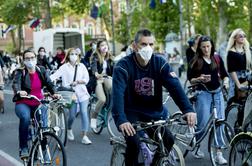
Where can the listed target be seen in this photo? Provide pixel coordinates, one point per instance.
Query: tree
(17, 13)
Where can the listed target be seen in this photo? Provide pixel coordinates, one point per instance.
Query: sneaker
(24, 153)
(198, 154)
(86, 140)
(93, 123)
(220, 159)
(70, 135)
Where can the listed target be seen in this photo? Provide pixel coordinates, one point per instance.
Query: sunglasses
(205, 38)
(241, 36)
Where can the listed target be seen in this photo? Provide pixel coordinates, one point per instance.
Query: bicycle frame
(210, 124)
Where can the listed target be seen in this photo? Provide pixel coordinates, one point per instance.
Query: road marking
(10, 158)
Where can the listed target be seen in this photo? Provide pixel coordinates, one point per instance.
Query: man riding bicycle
(137, 94)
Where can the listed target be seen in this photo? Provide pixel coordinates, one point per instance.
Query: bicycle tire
(112, 129)
(175, 158)
(63, 125)
(59, 119)
(229, 111)
(48, 147)
(223, 126)
(238, 148)
(117, 156)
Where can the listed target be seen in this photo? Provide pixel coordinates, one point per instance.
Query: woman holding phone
(206, 69)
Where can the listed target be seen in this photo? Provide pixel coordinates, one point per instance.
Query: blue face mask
(30, 64)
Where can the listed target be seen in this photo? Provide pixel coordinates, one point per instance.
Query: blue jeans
(84, 115)
(203, 110)
(24, 112)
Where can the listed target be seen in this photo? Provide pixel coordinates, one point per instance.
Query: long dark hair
(197, 61)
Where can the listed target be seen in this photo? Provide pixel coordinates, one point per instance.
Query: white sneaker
(70, 135)
(93, 123)
(86, 140)
(199, 154)
(220, 159)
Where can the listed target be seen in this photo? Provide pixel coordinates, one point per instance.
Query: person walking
(75, 74)
(206, 69)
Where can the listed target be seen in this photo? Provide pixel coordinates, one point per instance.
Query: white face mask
(146, 53)
(30, 64)
(93, 47)
(73, 58)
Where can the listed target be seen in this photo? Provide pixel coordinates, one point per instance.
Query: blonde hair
(231, 45)
(66, 59)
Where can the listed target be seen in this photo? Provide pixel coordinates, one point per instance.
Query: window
(90, 29)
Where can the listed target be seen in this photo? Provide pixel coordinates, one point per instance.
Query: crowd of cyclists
(136, 82)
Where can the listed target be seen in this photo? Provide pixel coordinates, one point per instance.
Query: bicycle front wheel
(58, 121)
(48, 151)
(219, 141)
(112, 129)
(231, 112)
(118, 153)
(174, 158)
(241, 150)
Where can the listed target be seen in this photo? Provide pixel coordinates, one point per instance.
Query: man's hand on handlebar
(190, 117)
(127, 129)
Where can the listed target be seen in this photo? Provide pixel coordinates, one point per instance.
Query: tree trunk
(13, 39)
(222, 33)
(20, 37)
(129, 20)
(48, 19)
(250, 21)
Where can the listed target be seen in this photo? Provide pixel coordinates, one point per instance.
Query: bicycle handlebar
(204, 86)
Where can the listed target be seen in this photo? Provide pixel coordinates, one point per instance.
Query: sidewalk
(7, 160)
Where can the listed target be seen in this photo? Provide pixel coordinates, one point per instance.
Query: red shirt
(36, 90)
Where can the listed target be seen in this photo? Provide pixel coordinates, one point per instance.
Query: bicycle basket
(68, 98)
(247, 111)
(181, 131)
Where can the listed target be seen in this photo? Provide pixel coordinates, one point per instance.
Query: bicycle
(241, 144)
(44, 146)
(175, 156)
(241, 150)
(186, 138)
(235, 109)
(104, 118)
(57, 114)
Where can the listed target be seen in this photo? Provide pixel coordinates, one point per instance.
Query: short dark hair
(28, 50)
(141, 33)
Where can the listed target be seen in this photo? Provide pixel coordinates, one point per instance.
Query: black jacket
(22, 80)
(44, 62)
(97, 67)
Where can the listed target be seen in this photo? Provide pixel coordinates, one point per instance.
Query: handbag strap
(75, 72)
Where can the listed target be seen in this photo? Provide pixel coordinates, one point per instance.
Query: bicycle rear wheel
(224, 135)
(118, 153)
(241, 150)
(175, 158)
(48, 151)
